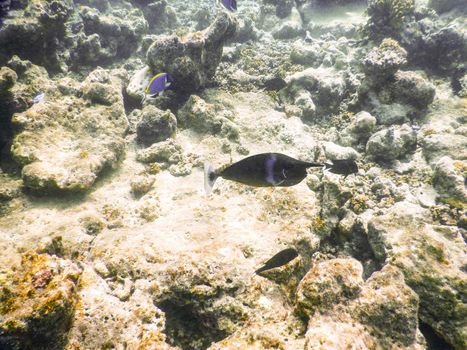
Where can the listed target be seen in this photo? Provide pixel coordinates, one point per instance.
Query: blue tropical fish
(158, 84)
(230, 5)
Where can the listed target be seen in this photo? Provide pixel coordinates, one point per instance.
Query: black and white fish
(261, 170)
(278, 260)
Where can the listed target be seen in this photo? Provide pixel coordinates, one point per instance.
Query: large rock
(435, 43)
(208, 118)
(114, 312)
(382, 62)
(65, 141)
(391, 143)
(37, 302)
(449, 179)
(359, 130)
(413, 88)
(107, 36)
(431, 258)
(290, 27)
(155, 125)
(192, 60)
(318, 92)
(334, 152)
(437, 145)
(329, 283)
(378, 313)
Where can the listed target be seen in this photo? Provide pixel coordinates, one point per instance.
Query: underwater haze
(233, 174)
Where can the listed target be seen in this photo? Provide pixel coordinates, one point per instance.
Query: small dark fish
(342, 167)
(158, 84)
(274, 84)
(280, 259)
(230, 5)
(261, 170)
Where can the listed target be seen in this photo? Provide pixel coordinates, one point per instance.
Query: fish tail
(210, 177)
(311, 164)
(261, 269)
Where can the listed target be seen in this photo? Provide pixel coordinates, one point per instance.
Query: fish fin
(161, 93)
(312, 164)
(261, 269)
(209, 178)
(143, 99)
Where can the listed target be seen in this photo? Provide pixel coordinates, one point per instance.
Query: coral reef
(108, 239)
(58, 123)
(386, 17)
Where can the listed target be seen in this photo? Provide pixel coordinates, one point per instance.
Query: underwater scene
(233, 174)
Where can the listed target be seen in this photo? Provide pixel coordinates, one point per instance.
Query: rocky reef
(108, 239)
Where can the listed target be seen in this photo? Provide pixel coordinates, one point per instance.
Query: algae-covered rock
(413, 88)
(63, 143)
(431, 258)
(108, 36)
(22, 81)
(105, 321)
(327, 334)
(155, 125)
(9, 188)
(159, 15)
(35, 32)
(391, 143)
(437, 145)
(290, 27)
(334, 152)
(359, 130)
(327, 89)
(142, 184)
(439, 45)
(375, 314)
(388, 307)
(329, 283)
(167, 151)
(382, 62)
(37, 302)
(449, 179)
(209, 118)
(192, 60)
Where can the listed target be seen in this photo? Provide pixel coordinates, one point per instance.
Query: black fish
(280, 259)
(261, 170)
(342, 167)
